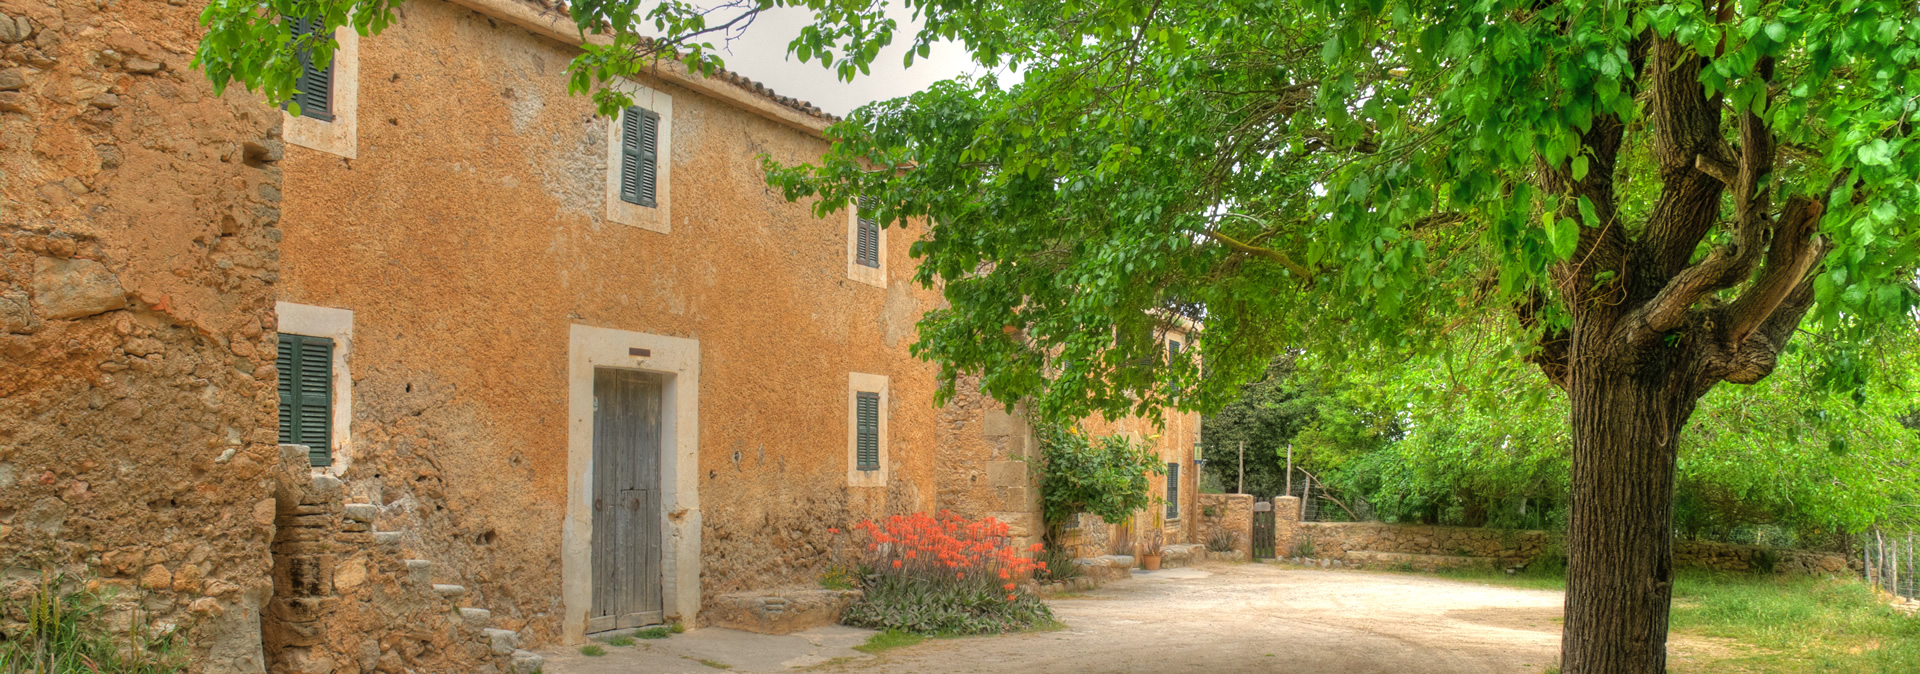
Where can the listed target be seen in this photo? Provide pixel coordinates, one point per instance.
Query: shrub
(840, 577)
(945, 575)
(1106, 476)
(63, 633)
(592, 650)
(1220, 541)
(1765, 560)
(1303, 547)
(1057, 564)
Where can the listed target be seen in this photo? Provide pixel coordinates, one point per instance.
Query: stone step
(420, 570)
(361, 512)
(502, 641)
(527, 662)
(476, 616)
(449, 591)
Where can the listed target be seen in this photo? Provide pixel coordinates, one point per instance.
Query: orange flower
(1033, 548)
(896, 563)
(1011, 597)
(833, 530)
(1003, 574)
(1008, 587)
(959, 576)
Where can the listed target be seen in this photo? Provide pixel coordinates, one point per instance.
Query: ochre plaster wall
(138, 244)
(469, 234)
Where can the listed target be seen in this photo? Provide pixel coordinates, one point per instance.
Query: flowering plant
(946, 574)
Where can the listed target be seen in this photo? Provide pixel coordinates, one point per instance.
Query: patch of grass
(1804, 624)
(889, 639)
(656, 632)
(622, 640)
(1787, 624)
(840, 578)
(65, 631)
(592, 650)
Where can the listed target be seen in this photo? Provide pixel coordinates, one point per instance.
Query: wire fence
(1891, 561)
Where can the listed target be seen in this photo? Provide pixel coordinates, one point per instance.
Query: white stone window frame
(341, 136)
(590, 348)
(335, 324)
(659, 218)
(857, 383)
(873, 276)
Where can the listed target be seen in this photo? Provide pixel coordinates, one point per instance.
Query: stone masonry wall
(1381, 543)
(138, 250)
(1227, 515)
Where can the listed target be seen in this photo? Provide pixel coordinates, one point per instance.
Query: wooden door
(626, 500)
(1263, 533)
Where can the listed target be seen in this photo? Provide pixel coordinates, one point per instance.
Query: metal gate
(1263, 530)
(626, 500)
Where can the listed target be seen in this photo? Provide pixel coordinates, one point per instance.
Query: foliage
(1221, 541)
(1464, 434)
(889, 639)
(1796, 623)
(1302, 547)
(1056, 564)
(1106, 476)
(622, 640)
(593, 650)
(945, 575)
(1264, 419)
(64, 632)
(840, 577)
(656, 632)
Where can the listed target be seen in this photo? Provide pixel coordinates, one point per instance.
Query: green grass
(656, 632)
(622, 640)
(889, 639)
(592, 650)
(1785, 624)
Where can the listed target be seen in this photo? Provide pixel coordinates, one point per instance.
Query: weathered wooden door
(626, 499)
(1263, 533)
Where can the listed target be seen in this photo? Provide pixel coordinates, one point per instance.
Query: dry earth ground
(1215, 618)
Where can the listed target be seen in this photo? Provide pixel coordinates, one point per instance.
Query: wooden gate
(626, 500)
(1263, 531)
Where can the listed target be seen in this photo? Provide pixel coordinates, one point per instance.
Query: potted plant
(1156, 539)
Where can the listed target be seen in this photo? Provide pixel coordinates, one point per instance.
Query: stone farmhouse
(446, 366)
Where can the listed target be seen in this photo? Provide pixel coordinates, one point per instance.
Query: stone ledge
(779, 610)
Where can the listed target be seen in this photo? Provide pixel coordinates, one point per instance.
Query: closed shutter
(1173, 491)
(867, 427)
(867, 252)
(306, 395)
(639, 156)
(315, 86)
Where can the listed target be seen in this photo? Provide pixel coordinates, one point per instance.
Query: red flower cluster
(947, 546)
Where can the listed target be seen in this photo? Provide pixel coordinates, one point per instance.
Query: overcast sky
(761, 54)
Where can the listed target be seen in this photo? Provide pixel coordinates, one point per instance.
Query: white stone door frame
(590, 348)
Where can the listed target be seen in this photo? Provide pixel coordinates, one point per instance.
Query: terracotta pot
(1152, 562)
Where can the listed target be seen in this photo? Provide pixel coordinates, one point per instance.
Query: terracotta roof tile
(722, 74)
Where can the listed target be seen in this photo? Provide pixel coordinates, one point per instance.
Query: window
(866, 245)
(1173, 490)
(306, 395)
(867, 239)
(640, 159)
(867, 402)
(327, 97)
(639, 156)
(867, 430)
(1173, 349)
(314, 90)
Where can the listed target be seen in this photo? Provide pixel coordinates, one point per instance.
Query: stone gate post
(1286, 524)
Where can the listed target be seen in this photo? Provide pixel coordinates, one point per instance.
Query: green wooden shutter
(867, 252)
(306, 395)
(1173, 490)
(867, 428)
(315, 86)
(639, 156)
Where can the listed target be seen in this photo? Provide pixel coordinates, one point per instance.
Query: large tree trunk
(1627, 415)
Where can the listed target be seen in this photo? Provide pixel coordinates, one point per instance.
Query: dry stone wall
(1421, 546)
(1228, 515)
(138, 251)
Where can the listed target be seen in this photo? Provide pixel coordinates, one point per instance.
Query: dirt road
(1218, 618)
(1267, 618)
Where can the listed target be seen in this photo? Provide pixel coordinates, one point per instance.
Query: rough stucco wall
(469, 234)
(137, 255)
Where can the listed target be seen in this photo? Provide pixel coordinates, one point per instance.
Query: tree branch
(1268, 253)
(1795, 250)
